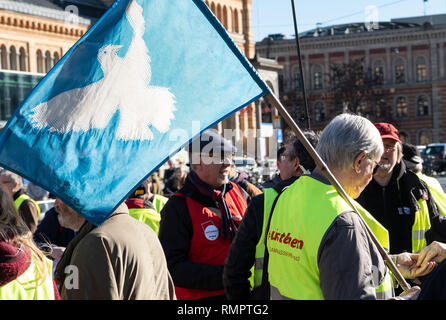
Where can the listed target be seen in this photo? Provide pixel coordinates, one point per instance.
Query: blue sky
(275, 16)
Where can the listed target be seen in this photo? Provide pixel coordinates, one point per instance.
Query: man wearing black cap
(399, 200)
(199, 222)
(145, 206)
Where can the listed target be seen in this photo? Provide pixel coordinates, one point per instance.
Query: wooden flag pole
(326, 171)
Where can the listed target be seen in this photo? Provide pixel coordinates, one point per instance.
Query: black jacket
(394, 207)
(241, 256)
(49, 231)
(175, 234)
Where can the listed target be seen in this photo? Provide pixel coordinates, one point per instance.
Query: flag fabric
(145, 80)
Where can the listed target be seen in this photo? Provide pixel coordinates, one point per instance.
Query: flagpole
(304, 96)
(326, 171)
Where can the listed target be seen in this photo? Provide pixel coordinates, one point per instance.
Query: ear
(357, 162)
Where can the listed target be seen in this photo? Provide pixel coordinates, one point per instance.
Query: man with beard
(400, 201)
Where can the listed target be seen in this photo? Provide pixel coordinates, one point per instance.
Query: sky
(275, 16)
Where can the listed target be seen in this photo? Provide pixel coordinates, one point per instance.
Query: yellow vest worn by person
(302, 215)
(436, 191)
(158, 202)
(148, 216)
(28, 286)
(257, 270)
(18, 202)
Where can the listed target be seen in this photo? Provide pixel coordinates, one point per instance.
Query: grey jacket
(120, 259)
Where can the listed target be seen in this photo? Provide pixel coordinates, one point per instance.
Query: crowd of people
(205, 231)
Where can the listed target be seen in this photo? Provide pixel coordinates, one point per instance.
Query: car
(434, 157)
(244, 163)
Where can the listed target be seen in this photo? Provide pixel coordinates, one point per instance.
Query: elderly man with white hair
(27, 207)
(318, 246)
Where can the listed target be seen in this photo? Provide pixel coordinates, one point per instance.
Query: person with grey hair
(29, 209)
(318, 247)
(400, 201)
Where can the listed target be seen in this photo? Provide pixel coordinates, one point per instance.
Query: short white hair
(345, 137)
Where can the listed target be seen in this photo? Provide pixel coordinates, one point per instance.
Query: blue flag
(145, 80)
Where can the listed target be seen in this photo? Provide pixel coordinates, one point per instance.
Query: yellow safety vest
(158, 202)
(148, 216)
(257, 270)
(27, 287)
(18, 202)
(421, 225)
(305, 211)
(436, 191)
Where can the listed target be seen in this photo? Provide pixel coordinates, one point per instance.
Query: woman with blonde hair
(25, 272)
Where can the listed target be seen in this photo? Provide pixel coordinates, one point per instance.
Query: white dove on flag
(124, 87)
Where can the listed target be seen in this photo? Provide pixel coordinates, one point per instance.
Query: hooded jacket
(394, 206)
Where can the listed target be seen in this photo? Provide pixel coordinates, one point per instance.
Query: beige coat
(120, 259)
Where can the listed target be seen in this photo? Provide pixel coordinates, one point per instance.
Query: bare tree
(360, 90)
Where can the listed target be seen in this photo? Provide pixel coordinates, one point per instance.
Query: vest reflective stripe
(18, 202)
(420, 226)
(148, 216)
(158, 202)
(269, 196)
(293, 267)
(436, 191)
(26, 286)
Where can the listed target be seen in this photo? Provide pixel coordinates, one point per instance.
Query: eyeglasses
(377, 165)
(389, 147)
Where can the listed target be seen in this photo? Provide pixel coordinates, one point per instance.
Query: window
(378, 72)
(319, 112)
(39, 62)
(400, 76)
(56, 57)
(422, 106)
(4, 58)
(48, 61)
(13, 58)
(424, 137)
(381, 108)
(317, 77)
(22, 60)
(296, 84)
(401, 107)
(421, 70)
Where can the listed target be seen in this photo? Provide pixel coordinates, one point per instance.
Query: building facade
(406, 58)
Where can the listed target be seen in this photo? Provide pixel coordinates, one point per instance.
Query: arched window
(317, 77)
(295, 78)
(381, 108)
(378, 72)
(421, 69)
(235, 22)
(319, 112)
(23, 60)
(4, 58)
(424, 137)
(39, 56)
(219, 15)
(225, 17)
(56, 57)
(401, 107)
(400, 71)
(423, 106)
(13, 58)
(48, 61)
